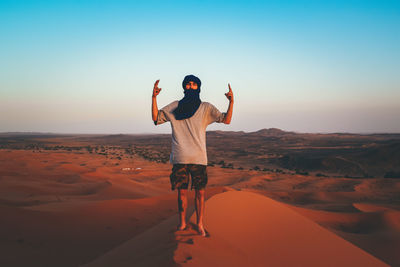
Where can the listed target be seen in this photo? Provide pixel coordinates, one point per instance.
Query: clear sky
(306, 66)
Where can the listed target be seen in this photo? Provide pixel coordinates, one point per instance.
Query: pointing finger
(230, 89)
(156, 83)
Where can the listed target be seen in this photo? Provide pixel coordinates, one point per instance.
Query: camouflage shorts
(180, 176)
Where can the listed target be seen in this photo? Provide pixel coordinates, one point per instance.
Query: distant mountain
(262, 132)
(271, 132)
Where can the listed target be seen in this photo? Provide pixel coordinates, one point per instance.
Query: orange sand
(245, 229)
(70, 209)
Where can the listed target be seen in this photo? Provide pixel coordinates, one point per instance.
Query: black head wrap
(189, 104)
(191, 78)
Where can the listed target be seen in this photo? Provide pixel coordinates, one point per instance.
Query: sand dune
(244, 229)
(89, 204)
(374, 228)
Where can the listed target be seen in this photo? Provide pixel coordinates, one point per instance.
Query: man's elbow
(227, 121)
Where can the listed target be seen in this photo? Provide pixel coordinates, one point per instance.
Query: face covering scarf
(188, 105)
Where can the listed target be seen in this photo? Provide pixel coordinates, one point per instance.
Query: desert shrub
(301, 172)
(229, 166)
(392, 174)
(89, 149)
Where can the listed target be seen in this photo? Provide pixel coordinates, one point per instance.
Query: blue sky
(306, 66)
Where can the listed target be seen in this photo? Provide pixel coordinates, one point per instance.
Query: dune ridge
(244, 229)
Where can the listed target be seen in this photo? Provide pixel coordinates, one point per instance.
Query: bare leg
(199, 202)
(182, 207)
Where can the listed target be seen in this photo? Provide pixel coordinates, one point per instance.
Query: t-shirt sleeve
(161, 117)
(214, 115)
(164, 114)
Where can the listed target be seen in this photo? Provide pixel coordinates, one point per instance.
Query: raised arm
(154, 108)
(228, 116)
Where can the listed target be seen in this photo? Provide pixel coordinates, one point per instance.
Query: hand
(229, 95)
(156, 90)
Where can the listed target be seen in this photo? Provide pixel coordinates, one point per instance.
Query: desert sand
(75, 207)
(244, 229)
(56, 212)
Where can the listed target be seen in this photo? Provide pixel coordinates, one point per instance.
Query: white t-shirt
(189, 135)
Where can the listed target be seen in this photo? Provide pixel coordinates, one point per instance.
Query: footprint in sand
(188, 258)
(188, 235)
(189, 241)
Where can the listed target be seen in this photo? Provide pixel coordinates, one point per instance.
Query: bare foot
(201, 230)
(181, 227)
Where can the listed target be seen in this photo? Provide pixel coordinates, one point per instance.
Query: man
(189, 119)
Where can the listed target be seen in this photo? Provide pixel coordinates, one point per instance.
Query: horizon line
(152, 133)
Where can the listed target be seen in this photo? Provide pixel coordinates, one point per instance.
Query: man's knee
(200, 193)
